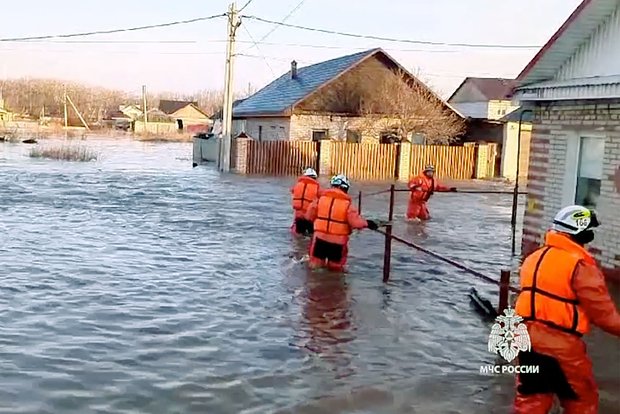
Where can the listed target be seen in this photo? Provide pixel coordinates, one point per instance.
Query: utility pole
(146, 122)
(226, 141)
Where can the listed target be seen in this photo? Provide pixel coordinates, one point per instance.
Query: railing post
(359, 202)
(387, 254)
(504, 283)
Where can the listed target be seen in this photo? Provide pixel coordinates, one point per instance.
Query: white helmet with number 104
(575, 219)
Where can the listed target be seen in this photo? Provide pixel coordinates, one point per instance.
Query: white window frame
(573, 155)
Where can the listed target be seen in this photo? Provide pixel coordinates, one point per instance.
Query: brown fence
(280, 157)
(365, 161)
(450, 162)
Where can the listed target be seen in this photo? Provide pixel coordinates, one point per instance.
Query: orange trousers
(571, 356)
(417, 209)
(330, 255)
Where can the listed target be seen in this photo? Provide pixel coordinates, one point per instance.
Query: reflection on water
(138, 284)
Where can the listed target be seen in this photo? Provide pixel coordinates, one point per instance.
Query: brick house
(294, 107)
(573, 87)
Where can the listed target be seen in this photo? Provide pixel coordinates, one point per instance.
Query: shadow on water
(140, 284)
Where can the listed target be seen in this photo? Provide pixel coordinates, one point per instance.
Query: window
(418, 139)
(319, 135)
(282, 133)
(589, 171)
(260, 132)
(353, 136)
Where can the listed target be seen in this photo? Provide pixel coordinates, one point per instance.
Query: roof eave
(521, 78)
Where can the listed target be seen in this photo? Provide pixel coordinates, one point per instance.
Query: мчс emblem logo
(509, 335)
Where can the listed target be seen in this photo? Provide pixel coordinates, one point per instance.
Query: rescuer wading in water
(562, 292)
(304, 192)
(334, 218)
(422, 188)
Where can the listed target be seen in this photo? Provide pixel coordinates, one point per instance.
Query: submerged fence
(458, 163)
(362, 161)
(279, 157)
(503, 282)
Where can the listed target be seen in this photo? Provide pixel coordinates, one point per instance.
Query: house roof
(281, 95)
(170, 107)
(575, 31)
(492, 88)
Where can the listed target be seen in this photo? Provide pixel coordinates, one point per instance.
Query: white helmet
(575, 219)
(340, 181)
(310, 173)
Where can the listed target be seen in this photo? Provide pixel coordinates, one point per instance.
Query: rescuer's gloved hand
(372, 225)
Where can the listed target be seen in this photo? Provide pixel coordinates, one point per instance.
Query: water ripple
(138, 284)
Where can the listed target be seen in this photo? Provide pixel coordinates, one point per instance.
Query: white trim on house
(599, 87)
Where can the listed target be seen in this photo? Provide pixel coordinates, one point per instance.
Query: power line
(246, 5)
(131, 29)
(259, 51)
(388, 39)
(282, 21)
(109, 41)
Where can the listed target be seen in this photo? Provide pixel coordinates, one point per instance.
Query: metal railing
(504, 279)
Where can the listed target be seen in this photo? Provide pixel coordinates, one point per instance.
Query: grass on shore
(65, 153)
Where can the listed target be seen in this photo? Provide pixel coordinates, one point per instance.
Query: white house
(573, 88)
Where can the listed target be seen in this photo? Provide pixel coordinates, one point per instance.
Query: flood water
(138, 284)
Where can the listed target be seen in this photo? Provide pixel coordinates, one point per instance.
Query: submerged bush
(65, 153)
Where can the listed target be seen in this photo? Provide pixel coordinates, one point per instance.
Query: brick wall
(557, 129)
(302, 126)
(273, 129)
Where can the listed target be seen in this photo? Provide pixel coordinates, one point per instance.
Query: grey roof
(284, 92)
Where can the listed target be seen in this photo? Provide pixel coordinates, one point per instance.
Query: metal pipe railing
(503, 282)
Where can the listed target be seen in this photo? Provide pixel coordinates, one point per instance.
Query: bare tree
(403, 105)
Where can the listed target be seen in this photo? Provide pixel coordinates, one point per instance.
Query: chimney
(293, 70)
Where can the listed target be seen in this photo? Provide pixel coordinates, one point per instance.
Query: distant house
(158, 122)
(296, 105)
(487, 104)
(132, 112)
(186, 114)
(573, 87)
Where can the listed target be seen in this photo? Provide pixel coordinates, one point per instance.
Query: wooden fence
(280, 157)
(360, 161)
(457, 163)
(366, 161)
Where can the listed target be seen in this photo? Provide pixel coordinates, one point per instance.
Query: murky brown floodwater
(138, 284)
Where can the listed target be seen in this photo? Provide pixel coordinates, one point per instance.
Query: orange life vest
(546, 292)
(304, 193)
(332, 213)
(426, 187)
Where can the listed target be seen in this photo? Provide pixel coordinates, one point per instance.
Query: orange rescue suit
(304, 192)
(562, 291)
(422, 188)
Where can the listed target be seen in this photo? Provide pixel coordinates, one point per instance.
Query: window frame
(580, 144)
(318, 130)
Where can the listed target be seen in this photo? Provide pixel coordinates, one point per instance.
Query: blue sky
(199, 63)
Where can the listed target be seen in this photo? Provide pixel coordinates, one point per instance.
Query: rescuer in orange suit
(304, 192)
(422, 188)
(334, 219)
(562, 292)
